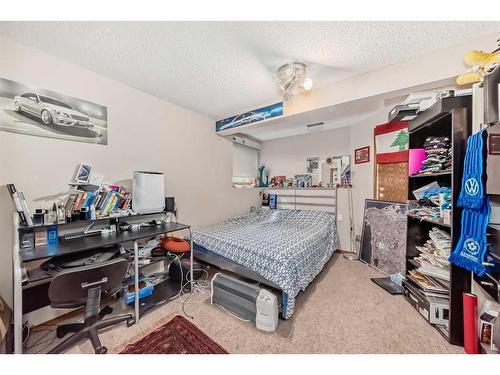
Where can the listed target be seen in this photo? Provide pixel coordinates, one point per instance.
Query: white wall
(287, 156)
(145, 133)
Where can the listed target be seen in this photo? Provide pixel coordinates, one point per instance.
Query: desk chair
(83, 286)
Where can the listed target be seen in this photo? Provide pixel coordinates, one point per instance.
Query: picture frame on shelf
(278, 181)
(302, 180)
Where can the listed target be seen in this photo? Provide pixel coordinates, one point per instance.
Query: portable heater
(248, 301)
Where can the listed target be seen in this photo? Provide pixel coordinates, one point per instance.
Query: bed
(284, 249)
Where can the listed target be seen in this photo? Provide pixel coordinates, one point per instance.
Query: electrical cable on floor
(28, 327)
(178, 294)
(199, 286)
(42, 340)
(49, 344)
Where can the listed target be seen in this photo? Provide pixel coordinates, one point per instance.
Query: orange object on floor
(175, 245)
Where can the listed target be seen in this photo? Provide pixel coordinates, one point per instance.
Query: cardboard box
(5, 317)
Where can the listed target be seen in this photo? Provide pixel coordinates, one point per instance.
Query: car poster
(43, 113)
(250, 117)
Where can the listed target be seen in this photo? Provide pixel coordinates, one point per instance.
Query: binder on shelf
(21, 205)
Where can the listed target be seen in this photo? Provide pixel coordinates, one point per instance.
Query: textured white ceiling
(222, 68)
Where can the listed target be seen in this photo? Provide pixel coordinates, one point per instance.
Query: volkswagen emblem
(471, 186)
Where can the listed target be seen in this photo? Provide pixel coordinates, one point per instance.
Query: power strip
(72, 235)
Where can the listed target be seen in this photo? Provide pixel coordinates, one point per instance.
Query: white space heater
(247, 301)
(148, 192)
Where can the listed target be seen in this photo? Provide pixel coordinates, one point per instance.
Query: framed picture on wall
(362, 155)
(43, 113)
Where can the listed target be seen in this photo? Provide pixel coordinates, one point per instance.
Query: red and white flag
(391, 142)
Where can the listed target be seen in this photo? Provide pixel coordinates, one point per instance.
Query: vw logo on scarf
(471, 186)
(472, 194)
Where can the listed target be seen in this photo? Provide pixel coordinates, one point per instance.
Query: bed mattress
(286, 247)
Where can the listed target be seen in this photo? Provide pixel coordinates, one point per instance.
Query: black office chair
(83, 286)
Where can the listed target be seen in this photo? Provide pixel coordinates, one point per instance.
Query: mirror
(336, 171)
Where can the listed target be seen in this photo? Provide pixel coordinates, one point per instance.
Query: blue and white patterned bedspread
(286, 247)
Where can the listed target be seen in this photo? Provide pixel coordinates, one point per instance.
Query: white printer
(248, 301)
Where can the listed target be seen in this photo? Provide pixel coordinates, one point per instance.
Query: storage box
(145, 289)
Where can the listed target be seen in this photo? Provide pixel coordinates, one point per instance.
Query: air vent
(316, 124)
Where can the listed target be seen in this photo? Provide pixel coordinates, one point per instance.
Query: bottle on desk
(46, 217)
(61, 214)
(38, 217)
(52, 215)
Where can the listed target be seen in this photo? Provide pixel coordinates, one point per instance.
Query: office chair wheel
(101, 350)
(61, 332)
(130, 322)
(105, 311)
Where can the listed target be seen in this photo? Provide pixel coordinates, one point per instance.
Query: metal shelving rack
(450, 117)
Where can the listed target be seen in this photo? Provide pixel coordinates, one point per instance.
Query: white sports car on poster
(246, 118)
(51, 111)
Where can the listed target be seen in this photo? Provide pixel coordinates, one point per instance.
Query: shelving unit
(449, 117)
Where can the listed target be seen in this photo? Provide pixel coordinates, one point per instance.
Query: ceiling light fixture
(293, 79)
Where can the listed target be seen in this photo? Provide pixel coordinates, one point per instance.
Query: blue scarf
(472, 192)
(470, 252)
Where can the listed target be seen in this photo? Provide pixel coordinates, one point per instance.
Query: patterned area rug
(178, 336)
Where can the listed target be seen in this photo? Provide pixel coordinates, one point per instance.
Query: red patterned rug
(178, 336)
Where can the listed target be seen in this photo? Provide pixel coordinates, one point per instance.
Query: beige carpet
(342, 311)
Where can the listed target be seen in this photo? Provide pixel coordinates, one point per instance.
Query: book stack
(432, 272)
(108, 200)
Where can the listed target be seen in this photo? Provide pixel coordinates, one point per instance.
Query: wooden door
(392, 182)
